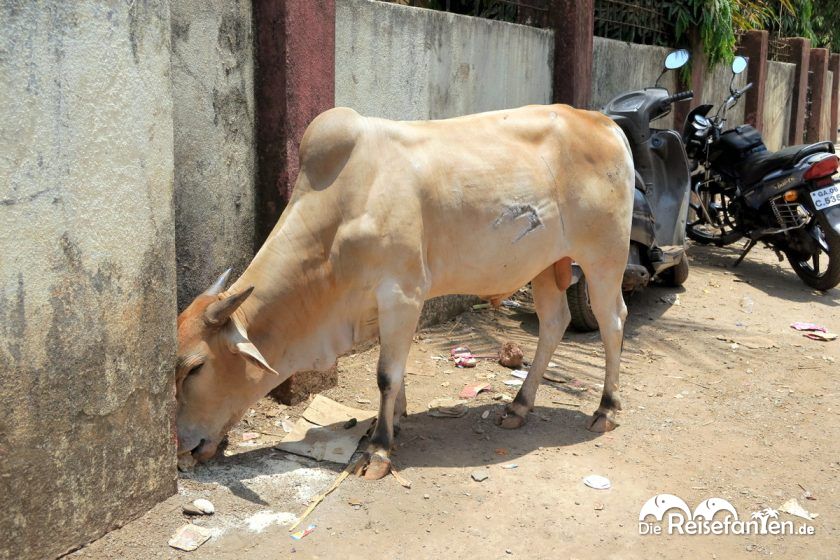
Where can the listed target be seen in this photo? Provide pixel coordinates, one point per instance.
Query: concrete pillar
(213, 112)
(295, 83)
(87, 270)
(834, 67)
(799, 54)
(573, 24)
(754, 46)
(817, 83)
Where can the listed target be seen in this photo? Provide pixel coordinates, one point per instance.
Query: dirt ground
(722, 399)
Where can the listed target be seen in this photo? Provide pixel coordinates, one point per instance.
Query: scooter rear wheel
(583, 319)
(810, 270)
(677, 274)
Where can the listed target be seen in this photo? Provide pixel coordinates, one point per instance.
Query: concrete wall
(408, 63)
(619, 67)
(716, 90)
(87, 276)
(778, 100)
(213, 112)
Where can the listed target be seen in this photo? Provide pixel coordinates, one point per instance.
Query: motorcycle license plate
(827, 197)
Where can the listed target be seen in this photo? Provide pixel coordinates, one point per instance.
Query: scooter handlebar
(682, 96)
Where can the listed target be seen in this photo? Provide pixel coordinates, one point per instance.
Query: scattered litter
(445, 407)
(321, 434)
(479, 306)
(204, 506)
(673, 299)
(806, 493)
(751, 342)
(485, 415)
(511, 303)
(793, 507)
(249, 436)
(191, 509)
(362, 401)
(286, 425)
(800, 326)
(426, 496)
(510, 466)
(552, 364)
(597, 482)
(599, 506)
(479, 476)
(355, 503)
(189, 537)
(472, 390)
(747, 304)
(511, 355)
(555, 377)
(520, 373)
(300, 534)
(513, 382)
(465, 361)
(501, 451)
(460, 351)
(503, 397)
(823, 336)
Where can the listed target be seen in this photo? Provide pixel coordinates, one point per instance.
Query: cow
(386, 214)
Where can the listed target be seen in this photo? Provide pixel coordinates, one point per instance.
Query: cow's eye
(193, 371)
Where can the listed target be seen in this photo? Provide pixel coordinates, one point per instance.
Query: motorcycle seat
(757, 165)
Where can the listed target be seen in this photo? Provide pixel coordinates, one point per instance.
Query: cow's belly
(495, 252)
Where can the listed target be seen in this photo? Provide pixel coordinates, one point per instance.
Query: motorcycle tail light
(791, 196)
(824, 167)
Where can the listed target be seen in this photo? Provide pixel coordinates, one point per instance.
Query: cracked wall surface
(87, 274)
(213, 112)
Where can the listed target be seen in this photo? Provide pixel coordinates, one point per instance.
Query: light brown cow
(387, 214)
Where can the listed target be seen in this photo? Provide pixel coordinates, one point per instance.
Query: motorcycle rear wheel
(809, 270)
(698, 228)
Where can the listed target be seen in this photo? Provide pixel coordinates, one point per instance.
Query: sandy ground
(721, 400)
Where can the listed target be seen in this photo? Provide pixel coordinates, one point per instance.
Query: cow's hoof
(377, 467)
(510, 420)
(601, 423)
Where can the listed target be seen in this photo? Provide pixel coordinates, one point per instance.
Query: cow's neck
(292, 316)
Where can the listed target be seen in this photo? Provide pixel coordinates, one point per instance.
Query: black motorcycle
(657, 238)
(788, 199)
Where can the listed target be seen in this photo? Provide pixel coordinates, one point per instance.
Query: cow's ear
(217, 313)
(237, 340)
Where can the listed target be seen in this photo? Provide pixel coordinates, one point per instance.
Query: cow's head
(219, 374)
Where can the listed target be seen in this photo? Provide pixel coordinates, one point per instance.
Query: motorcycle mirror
(739, 64)
(676, 59)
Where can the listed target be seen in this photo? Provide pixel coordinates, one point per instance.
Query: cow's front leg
(399, 312)
(554, 316)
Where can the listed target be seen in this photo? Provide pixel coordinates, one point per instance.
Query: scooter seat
(757, 165)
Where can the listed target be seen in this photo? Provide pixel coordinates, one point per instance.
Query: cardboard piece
(320, 433)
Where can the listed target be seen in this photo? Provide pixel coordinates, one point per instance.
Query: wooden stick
(320, 497)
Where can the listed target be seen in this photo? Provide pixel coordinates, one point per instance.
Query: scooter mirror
(676, 59)
(739, 64)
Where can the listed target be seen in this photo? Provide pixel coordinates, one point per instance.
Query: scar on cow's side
(517, 211)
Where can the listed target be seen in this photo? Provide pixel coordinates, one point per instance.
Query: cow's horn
(218, 285)
(220, 311)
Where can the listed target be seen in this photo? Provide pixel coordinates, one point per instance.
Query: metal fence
(640, 21)
(526, 12)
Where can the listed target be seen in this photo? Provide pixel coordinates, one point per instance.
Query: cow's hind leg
(604, 285)
(554, 316)
(399, 311)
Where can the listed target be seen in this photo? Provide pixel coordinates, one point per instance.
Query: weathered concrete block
(213, 113)
(87, 300)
